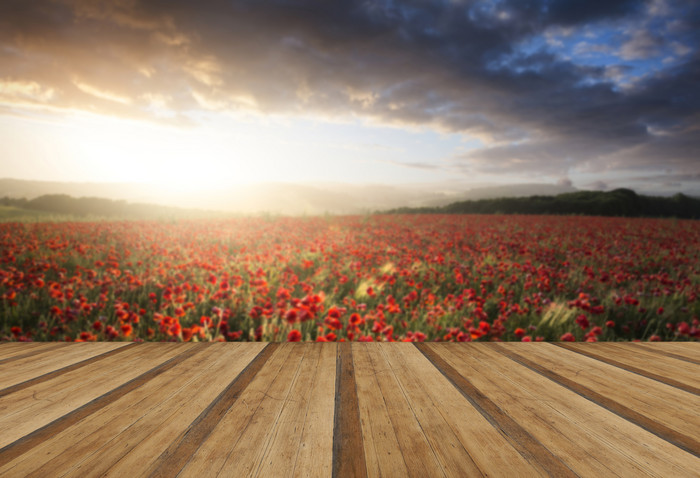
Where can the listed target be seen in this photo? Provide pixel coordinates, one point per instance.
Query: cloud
(617, 73)
(565, 182)
(416, 165)
(573, 12)
(451, 66)
(11, 91)
(597, 186)
(678, 178)
(588, 49)
(658, 8)
(641, 45)
(107, 95)
(680, 49)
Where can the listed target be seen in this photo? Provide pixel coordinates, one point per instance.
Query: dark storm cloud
(571, 12)
(452, 65)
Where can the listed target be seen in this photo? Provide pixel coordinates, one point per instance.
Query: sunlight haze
(594, 95)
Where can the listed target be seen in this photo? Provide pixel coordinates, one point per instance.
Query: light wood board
(360, 409)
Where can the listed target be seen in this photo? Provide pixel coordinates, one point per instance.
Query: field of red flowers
(366, 278)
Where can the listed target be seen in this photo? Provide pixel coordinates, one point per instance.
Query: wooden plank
(420, 410)
(636, 398)
(9, 346)
(438, 423)
(316, 454)
(43, 356)
(247, 455)
(481, 446)
(30, 441)
(686, 351)
(18, 350)
(689, 349)
(521, 408)
(418, 455)
(182, 449)
(246, 425)
(132, 432)
(51, 375)
(535, 456)
(27, 368)
(191, 405)
(30, 409)
(673, 366)
(670, 371)
(382, 450)
(283, 446)
(78, 442)
(591, 440)
(348, 450)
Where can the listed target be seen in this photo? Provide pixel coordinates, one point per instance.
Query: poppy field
(363, 278)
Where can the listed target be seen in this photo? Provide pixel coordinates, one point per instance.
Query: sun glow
(173, 158)
(214, 152)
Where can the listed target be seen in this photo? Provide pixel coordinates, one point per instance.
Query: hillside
(310, 198)
(65, 206)
(619, 202)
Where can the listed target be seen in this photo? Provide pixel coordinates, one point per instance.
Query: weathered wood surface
(475, 409)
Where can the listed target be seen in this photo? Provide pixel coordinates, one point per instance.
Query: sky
(593, 94)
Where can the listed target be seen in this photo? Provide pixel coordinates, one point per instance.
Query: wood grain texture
(12, 351)
(441, 412)
(224, 369)
(381, 446)
(92, 359)
(252, 446)
(183, 447)
(341, 409)
(348, 451)
(686, 351)
(636, 398)
(169, 414)
(26, 426)
(682, 375)
(238, 437)
(315, 453)
(532, 451)
(89, 445)
(35, 365)
(386, 402)
(306, 420)
(572, 427)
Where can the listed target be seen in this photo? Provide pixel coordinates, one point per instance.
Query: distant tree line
(619, 202)
(91, 206)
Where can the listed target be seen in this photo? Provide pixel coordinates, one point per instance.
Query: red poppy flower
(568, 337)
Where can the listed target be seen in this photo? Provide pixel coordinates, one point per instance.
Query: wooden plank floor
(361, 409)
